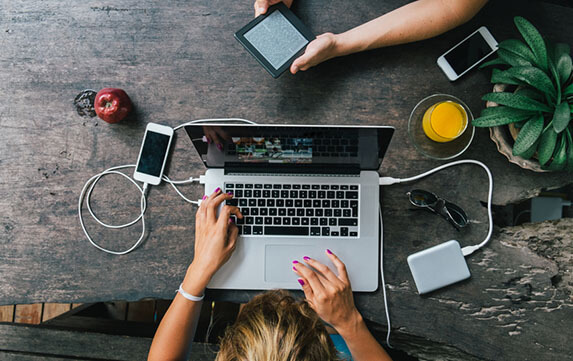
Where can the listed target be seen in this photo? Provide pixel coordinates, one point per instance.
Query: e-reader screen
(276, 39)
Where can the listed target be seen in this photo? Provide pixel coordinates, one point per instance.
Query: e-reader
(275, 39)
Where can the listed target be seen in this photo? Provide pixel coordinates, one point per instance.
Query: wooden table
(178, 61)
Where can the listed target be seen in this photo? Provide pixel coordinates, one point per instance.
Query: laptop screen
(276, 148)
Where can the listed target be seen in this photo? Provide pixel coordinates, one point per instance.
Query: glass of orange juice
(445, 121)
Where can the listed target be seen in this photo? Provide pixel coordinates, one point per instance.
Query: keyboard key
(280, 202)
(248, 186)
(259, 220)
(311, 194)
(338, 212)
(257, 193)
(321, 194)
(247, 230)
(348, 221)
(334, 186)
(287, 231)
(298, 203)
(300, 212)
(282, 212)
(232, 202)
(309, 212)
(246, 211)
(328, 213)
(306, 186)
(351, 195)
(254, 211)
(316, 203)
(257, 230)
(267, 193)
(332, 222)
(325, 231)
(286, 221)
(260, 202)
(263, 211)
(238, 193)
(286, 186)
(324, 222)
(353, 234)
(229, 185)
(291, 212)
(243, 202)
(295, 221)
(252, 202)
(324, 186)
(315, 231)
(276, 186)
(335, 234)
(248, 193)
(296, 186)
(268, 220)
(250, 220)
(314, 221)
(272, 212)
(354, 188)
(277, 220)
(284, 194)
(319, 212)
(346, 213)
(344, 187)
(304, 221)
(289, 203)
(241, 220)
(267, 186)
(270, 202)
(326, 203)
(293, 194)
(303, 194)
(315, 186)
(307, 203)
(335, 203)
(275, 194)
(339, 194)
(238, 186)
(344, 232)
(258, 186)
(344, 204)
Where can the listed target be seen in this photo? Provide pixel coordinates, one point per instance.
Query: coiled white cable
(90, 184)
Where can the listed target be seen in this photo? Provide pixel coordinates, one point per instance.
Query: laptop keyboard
(313, 210)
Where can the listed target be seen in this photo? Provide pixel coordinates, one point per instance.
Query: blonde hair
(276, 327)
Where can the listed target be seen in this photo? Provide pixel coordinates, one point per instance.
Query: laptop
(302, 189)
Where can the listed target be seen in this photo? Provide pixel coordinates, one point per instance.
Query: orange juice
(445, 121)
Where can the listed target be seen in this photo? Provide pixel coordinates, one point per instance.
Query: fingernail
(306, 258)
(294, 268)
(217, 190)
(301, 282)
(231, 220)
(295, 69)
(295, 261)
(220, 147)
(204, 197)
(328, 251)
(230, 194)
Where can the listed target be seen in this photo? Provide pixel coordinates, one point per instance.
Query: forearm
(415, 21)
(362, 345)
(173, 338)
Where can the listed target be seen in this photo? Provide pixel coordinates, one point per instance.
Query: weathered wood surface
(178, 61)
(18, 342)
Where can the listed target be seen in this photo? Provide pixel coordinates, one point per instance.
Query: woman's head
(276, 327)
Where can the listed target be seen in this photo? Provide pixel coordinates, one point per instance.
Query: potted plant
(541, 105)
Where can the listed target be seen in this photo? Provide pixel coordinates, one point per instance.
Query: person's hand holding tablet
(275, 38)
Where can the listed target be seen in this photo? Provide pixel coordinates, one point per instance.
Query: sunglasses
(449, 211)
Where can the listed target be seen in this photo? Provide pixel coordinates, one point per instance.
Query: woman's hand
(320, 49)
(261, 6)
(215, 237)
(328, 294)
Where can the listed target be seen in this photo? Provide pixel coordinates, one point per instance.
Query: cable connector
(466, 251)
(387, 181)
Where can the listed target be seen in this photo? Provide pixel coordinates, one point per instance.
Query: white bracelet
(188, 296)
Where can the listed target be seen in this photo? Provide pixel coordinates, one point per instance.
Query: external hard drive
(438, 266)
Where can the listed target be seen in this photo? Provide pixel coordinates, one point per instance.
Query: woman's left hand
(215, 237)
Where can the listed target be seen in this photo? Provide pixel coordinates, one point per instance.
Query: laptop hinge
(300, 169)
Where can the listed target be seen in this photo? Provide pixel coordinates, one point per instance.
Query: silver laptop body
(304, 189)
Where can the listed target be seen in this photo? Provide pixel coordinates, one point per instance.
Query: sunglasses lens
(458, 214)
(422, 198)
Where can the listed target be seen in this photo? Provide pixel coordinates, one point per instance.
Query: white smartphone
(467, 54)
(153, 153)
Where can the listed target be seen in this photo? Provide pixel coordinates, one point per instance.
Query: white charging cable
(90, 185)
(466, 251)
(382, 276)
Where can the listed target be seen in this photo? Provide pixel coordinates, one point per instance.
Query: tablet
(275, 39)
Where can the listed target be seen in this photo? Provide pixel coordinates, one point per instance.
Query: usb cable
(466, 251)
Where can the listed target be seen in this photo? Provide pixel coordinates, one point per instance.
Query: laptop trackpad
(278, 261)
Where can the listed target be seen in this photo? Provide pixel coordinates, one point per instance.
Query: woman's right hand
(328, 294)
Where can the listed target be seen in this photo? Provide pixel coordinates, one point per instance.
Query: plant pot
(504, 137)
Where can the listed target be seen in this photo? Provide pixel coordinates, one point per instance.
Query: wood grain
(52, 310)
(7, 313)
(178, 61)
(28, 313)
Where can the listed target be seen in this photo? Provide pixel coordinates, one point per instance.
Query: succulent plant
(541, 107)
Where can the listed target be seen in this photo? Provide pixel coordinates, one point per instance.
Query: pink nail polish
(231, 220)
(230, 194)
(328, 251)
(294, 268)
(220, 147)
(301, 282)
(306, 258)
(217, 190)
(295, 262)
(204, 197)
